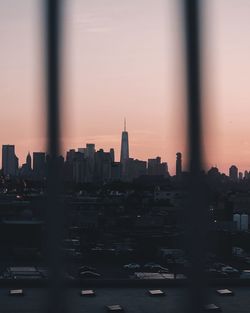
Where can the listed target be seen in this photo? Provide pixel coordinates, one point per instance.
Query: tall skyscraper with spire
(124, 149)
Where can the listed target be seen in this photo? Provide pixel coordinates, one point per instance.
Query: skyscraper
(124, 149)
(233, 173)
(9, 160)
(28, 162)
(89, 154)
(112, 155)
(178, 164)
(39, 164)
(156, 167)
(26, 169)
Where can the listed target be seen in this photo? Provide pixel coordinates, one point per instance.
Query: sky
(125, 59)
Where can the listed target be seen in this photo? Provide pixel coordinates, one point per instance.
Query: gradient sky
(124, 59)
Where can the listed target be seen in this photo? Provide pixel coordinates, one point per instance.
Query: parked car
(163, 270)
(152, 265)
(89, 274)
(247, 259)
(229, 270)
(214, 273)
(85, 268)
(245, 274)
(218, 265)
(131, 266)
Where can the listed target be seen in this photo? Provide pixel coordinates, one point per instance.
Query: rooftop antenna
(125, 124)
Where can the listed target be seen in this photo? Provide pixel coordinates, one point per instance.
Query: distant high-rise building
(135, 169)
(68, 166)
(246, 174)
(82, 150)
(39, 164)
(70, 155)
(112, 155)
(102, 166)
(233, 173)
(178, 164)
(79, 168)
(89, 150)
(28, 162)
(157, 168)
(89, 155)
(124, 149)
(115, 171)
(213, 174)
(26, 169)
(9, 160)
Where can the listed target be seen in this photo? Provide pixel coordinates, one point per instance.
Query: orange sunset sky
(125, 59)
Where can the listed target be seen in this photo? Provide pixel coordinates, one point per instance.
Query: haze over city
(138, 74)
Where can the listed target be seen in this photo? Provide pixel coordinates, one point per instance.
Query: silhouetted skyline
(139, 77)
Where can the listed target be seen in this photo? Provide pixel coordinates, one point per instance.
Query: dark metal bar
(193, 83)
(196, 208)
(53, 68)
(54, 209)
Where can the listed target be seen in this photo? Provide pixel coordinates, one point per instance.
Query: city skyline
(163, 202)
(140, 77)
(233, 170)
(179, 164)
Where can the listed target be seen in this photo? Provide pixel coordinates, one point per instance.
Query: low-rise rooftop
(132, 300)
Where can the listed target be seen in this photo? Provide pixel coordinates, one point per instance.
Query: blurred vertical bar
(196, 208)
(54, 209)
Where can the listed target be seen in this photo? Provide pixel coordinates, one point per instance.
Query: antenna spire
(125, 124)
